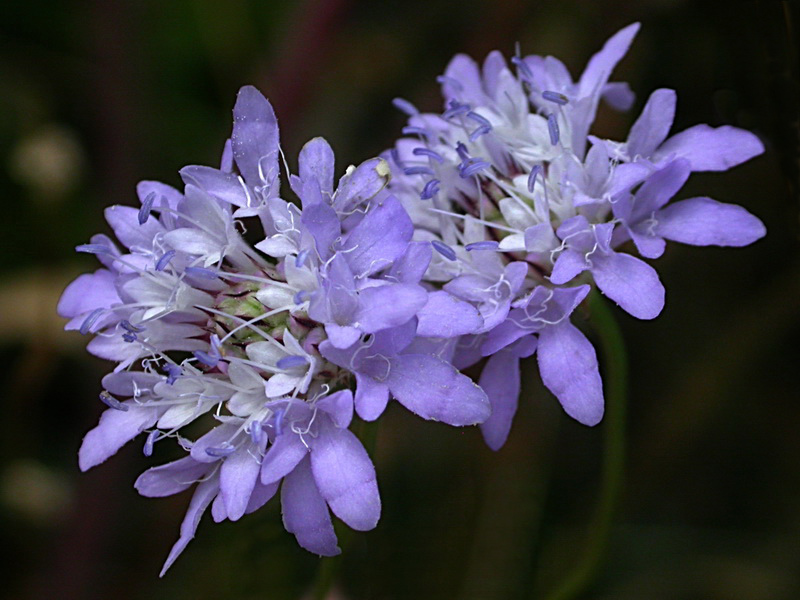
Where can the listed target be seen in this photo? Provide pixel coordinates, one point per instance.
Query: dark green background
(96, 95)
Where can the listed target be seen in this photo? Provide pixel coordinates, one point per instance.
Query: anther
(287, 362)
(444, 249)
(301, 257)
(112, 402)
(149, 442)
(201, 272)
(472, 167)
(430, 190)
(164, 260)
(552, 127)
(428, 152)
(462, 151)
(147, 206)
(556, 97)
(455, 108)
(522, 67)
(256, 432)
(90, 320)
(220, 452)
(279, 422)
(532, 177)
(206, 358)
(173, 372)
(418, 171)
(484, 245)
(412, 130)
(130, 327)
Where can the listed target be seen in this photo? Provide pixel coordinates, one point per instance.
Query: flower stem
(616, 379)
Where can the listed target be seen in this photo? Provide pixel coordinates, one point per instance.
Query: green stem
(329, 566)
(616, 381)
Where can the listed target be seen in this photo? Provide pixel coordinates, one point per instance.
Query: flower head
(528, 210)
(249, 340)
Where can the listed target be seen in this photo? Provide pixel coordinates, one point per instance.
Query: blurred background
(96, 95)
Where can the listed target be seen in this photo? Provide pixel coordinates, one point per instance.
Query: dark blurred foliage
(98, 94)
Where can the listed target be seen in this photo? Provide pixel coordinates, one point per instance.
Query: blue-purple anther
(91, 319)
(429, 153)
(430, 189)
(163, 261)
(289, 362)
(418, 170)
(444, 249)
(147, 206)
(201, 272)
(110, 401)
(552, 128)
(555, 97)
(484, 245)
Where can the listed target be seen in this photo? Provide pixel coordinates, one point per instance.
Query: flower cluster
(260, 349)
(527, 210)
(500, 214)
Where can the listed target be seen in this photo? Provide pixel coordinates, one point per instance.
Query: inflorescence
(476, 236)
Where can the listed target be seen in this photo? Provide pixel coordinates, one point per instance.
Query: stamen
(90, 320)
(427, 152)
(256, 432)
(287, 362)
(556, 97)
(301, 257)
(112, 402)
(522, 67)
(469, 168)
(147, 206)
(412, 130)
(430, 190)
(418, 171)
(173, 372)
(532, 177)
(462, 151)
(279, 421)
(444, 249)
(301, 296)
(479, 119)
(201, 272)
(220, 452)
(482, 130)
(164, 260)
(552, 127)
(455, 109)
(206, 358)
(405, 106)
(129, 337)
(484, 245)
(128, 326)
(148, 443)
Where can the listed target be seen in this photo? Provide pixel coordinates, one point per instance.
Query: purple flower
(527, 210)
(202, 325)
